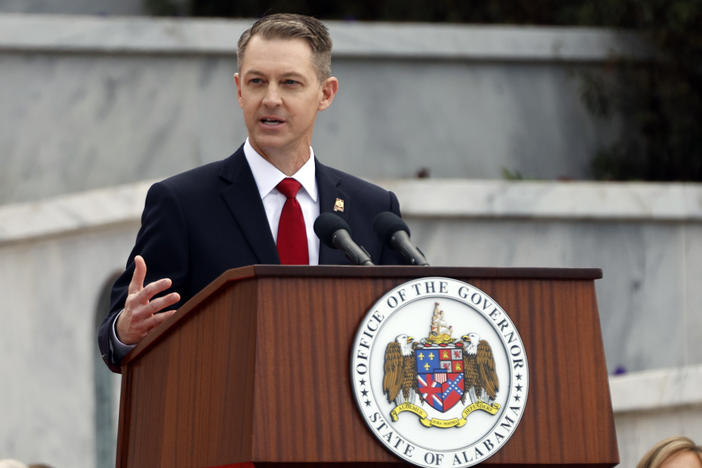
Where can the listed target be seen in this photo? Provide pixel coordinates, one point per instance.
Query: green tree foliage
(658, 102)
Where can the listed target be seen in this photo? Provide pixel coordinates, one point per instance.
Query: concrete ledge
(548, 200)
(89, 34)
(420, 198)
(70, 213)
(656, 389)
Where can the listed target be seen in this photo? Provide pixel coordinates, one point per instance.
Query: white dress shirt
(267, 177)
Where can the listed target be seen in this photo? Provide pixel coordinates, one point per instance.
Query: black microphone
(336, 233)
(393, 230)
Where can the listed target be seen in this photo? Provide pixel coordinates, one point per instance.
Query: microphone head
(327, 224)
(387, 223)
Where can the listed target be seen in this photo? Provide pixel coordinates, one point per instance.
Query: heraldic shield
(440, 375)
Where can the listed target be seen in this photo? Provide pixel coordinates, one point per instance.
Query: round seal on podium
(439, 373)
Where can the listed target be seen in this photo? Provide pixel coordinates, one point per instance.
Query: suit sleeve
(162, 241)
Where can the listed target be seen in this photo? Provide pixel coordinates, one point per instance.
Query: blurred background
(515, 133)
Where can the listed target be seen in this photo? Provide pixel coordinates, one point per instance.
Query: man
(258, 205)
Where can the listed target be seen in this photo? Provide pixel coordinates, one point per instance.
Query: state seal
(439, 373)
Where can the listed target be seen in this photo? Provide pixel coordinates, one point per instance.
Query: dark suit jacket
(200, 223)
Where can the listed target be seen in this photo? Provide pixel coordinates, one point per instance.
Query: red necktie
(292, 236)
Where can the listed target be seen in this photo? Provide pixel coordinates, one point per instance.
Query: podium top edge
(352, 271)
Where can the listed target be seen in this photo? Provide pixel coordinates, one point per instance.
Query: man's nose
(272, 97)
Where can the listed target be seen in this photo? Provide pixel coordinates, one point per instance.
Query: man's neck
(288, 162)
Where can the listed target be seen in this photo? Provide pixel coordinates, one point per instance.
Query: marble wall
(47, 342)
(90, 102)
(57, 256)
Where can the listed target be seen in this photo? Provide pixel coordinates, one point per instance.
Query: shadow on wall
(106, 385)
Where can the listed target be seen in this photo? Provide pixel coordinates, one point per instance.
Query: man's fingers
(137, 282)
(138, 328)
(142, 310)
(158, 319)
(161, 303)
(150, 290)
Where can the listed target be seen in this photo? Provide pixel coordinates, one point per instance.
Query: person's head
(283, 81)
(292, 26)
(673, 452)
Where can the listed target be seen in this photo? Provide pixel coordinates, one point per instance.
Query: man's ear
(329, 89)
(237, 81)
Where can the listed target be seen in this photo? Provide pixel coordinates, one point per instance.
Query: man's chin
(268, 143)
(275, 148)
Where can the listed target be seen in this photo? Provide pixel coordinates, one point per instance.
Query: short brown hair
(666, 448)
(292, 26)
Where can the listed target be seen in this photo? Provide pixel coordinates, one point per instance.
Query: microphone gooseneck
(394, 231)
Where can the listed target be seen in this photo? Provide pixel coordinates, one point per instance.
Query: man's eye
(255, 81)
(290, 82)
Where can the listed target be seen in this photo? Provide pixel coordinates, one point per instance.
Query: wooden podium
(255, 368)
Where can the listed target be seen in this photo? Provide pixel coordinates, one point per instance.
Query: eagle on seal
(480, 377)
(400, 380)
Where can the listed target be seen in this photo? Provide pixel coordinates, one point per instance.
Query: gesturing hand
(139, 315)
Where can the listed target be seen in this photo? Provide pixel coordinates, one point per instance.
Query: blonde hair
(666, 448)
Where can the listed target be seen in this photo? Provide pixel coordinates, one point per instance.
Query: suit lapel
(244, 202)
(330, 192)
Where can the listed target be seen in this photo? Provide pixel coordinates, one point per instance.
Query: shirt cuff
(119, 349)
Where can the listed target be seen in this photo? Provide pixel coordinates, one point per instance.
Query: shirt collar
(267, 176)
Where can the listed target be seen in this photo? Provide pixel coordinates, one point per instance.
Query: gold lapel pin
(339, 205)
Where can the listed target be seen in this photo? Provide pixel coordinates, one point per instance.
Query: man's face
(280, 94)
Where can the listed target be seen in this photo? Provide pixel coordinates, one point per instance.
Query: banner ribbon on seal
(443, 423)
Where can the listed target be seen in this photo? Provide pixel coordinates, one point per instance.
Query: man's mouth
(271, 121)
